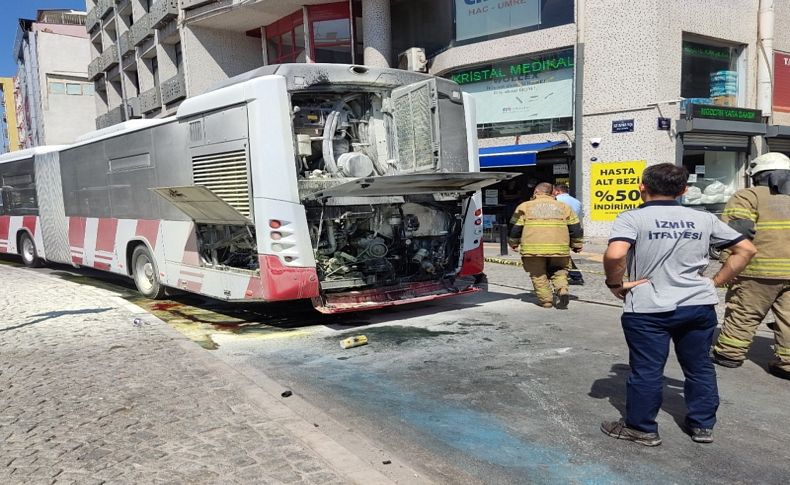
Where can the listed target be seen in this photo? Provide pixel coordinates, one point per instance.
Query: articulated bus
(353, 186)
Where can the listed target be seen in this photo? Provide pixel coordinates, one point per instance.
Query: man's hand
(627, 285)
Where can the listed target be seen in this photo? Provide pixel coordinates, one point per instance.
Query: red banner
(782, 82)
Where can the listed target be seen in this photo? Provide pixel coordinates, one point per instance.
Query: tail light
(275, 224)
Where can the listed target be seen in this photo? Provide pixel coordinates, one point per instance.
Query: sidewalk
(90, 392)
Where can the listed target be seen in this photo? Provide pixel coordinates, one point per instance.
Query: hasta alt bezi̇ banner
(479, 18)
(524, 89)
(614, 188)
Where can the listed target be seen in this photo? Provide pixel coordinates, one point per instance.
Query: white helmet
(768, 161)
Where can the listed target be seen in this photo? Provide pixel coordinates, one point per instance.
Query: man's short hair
(544, 188)
(665, 179)
(561, 188)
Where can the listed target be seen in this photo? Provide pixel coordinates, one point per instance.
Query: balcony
(125, 43)
(92, 19)
(94, 69)
(109, 58)
(168, 33)
(122, 5)
(133, 108)
(141, 30)
(112, 117)
(150, 100)
(103, 7)
(189, 4)
(174, 89)
(162, 11)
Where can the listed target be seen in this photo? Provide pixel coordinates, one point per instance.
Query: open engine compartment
(385, 244)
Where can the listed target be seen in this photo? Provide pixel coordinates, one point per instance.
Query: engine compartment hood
(414, 184)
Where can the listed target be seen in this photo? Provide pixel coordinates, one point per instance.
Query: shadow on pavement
(55, 314)
(612, 387)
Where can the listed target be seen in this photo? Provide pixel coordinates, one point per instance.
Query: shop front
(715, 142)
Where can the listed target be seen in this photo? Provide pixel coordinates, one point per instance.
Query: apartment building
(9, 128)
(53, 97)
(567, 91)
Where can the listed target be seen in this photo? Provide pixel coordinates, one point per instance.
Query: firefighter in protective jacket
(761, 213)
(544, 229)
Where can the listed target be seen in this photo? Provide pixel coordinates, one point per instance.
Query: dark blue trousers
(648, 335)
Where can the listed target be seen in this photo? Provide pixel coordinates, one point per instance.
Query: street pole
(577, 182)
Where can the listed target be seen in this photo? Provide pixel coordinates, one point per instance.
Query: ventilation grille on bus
(225, 174)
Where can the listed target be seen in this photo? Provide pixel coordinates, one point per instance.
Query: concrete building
(54, 98)
(9, 129)
(565, 89)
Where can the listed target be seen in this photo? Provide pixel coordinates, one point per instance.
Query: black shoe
(726, 362)
(699, 435)
(578, 282)
(621, 431)
(779, 372)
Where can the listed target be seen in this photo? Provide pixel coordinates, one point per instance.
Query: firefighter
(761, 213)
(543, 231)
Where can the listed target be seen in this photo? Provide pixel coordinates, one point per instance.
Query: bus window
(19, 189)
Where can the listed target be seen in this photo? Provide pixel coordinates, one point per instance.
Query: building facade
(53, 96)
(579, 92)
(9, 128)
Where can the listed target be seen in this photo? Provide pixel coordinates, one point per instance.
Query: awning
(516, 155)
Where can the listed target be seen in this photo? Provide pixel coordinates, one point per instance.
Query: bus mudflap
(403, 294)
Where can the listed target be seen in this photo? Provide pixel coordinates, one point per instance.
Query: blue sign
(622, 126)
(664, 124)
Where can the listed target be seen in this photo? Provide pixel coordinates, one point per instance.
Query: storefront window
(521, 96)
(710, 74)
(285, 40)
(478, 19)
(330, 32)
(713, 176)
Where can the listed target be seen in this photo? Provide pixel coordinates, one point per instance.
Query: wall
(12, 135)
(633, 67)
(212, 55)
(65, 117)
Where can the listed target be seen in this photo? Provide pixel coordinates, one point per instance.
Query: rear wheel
(145, 274)
(27, 249)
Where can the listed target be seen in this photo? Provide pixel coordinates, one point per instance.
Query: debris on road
(386, 462)
(355, 341)
(286, 394)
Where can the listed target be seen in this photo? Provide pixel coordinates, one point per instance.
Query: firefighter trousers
(541, 269)
(748, 302)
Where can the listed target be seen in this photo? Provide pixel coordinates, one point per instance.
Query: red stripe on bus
(105, 235)
(29, 223)
(5, 223)
(278, 282)
(149, 230)
(77, 232)
(191, 256)
(101, 266)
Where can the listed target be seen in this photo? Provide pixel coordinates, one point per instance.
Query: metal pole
(577, 182)
(503, 239)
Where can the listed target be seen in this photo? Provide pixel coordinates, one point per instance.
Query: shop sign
(782, 82)
(614, 188)
(480, 18)
(664, 124)
(530, 88)
(725, 113)
(622, 126)
(560, 169)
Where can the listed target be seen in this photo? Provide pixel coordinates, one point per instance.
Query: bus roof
(119, 129)
(29, 153)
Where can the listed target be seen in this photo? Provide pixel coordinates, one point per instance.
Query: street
(485, 389)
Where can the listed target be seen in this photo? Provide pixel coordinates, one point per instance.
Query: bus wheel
(146, 275)
(27, 249)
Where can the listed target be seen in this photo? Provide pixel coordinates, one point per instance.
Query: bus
(353, 186)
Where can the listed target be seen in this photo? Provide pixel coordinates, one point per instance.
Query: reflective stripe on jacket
(771, 216)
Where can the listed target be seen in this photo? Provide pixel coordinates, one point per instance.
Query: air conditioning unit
(413, 60)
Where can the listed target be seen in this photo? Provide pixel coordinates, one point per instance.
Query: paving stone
(86, 397)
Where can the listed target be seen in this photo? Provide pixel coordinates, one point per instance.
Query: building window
(330, 32)
(57, 88)
(74, 89)
(285, 40)
(711, 74)
(155, 70)
(521, 96)
(179, 55)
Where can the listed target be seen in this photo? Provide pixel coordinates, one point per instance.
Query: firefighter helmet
(768, 161)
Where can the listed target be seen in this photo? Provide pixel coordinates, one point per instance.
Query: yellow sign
(615, 188)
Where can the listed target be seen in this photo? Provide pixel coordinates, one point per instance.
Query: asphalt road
(490, 388)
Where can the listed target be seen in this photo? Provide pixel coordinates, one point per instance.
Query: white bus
(353, 186)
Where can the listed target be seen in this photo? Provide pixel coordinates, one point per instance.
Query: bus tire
(27, 249)
(146, 274)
